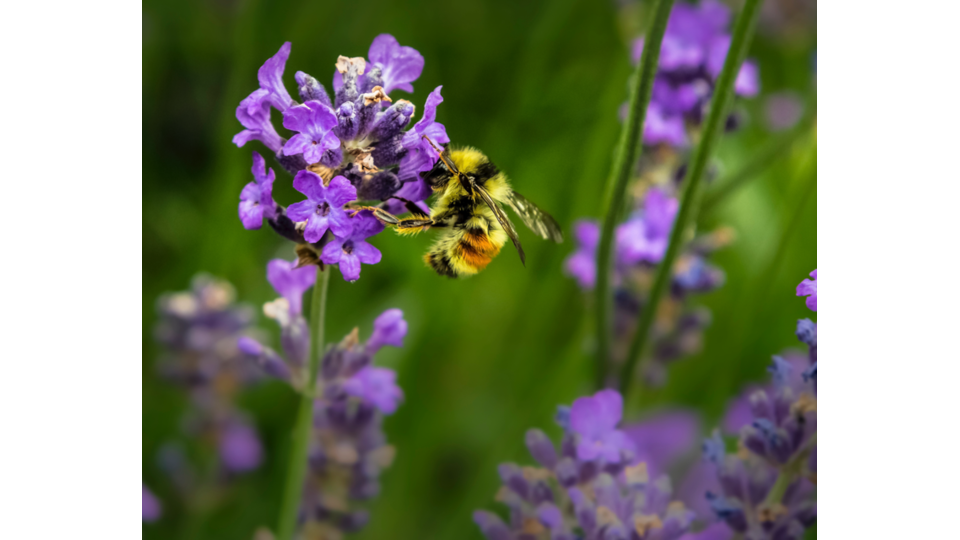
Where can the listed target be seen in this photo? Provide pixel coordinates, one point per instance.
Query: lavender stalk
(626, 157)
(297, 466)
(722, 99)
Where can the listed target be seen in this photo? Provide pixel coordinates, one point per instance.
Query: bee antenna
(450, 166)
(433, 144)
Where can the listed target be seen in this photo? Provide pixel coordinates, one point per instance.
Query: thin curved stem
(297, 465)
(623, 163)
(722, 98)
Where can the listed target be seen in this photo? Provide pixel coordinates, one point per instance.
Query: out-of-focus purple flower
(323, 208)
(645, 239)
(151, 506)
(659, 127)
(376, 385)
(595, 420)
(808, 288)
(270, 76)
(582, 265)
(348, 251)
(388, 329)
(748, 78)
(256, 199)
(240, 448)
(421, 155)
(661, 439)
(401, 65)
(291, 282)
(254, 115)
(316, 141)
(782, 110)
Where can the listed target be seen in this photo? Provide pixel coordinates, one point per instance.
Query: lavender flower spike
(388, 329)
(401, 65)
(377, 386)
(291, 282)
(808, 288)
(151, 506)
(350, 250)
(315, 140)
(595, 419)
(256, 199)
(421, 155)
(323, 208)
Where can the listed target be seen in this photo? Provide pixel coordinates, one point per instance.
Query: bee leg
(411, 206)
(414, 225)
(382, 215)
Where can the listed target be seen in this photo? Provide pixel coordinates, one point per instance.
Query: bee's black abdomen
(440, 264)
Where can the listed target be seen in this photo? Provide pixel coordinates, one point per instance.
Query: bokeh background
(537, 86)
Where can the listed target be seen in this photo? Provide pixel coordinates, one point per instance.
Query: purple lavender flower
(782, 110)
(421, 155)
(240, 448)
(323, 208)
(645, 239)
(399, 65)
(808, 288)
(270, 76)
(254, 115)
(388, 329)
(291, 282)
(377, 386)
(661, 439)
(151, 506)
(582, 265)
(256, 199)
(595, 419)
(691, 56)
(349, 250)
(316, 141)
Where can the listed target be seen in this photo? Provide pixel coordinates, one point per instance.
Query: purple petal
(151, 506)
(663, 438)
(270, 76)
(401, 65)
(808, 288)
(300, 211)
(377, 386)
(290, 282)
(297, 118)
(582, 267)
(340, 223)
(611, 406)
(251, 212)
(310, 184)
(332, 251)
(748, 80)
(340, 192)
(317, 225)
(349, 266)
(297, 144)
(388, 329)
(366, 253)
(587, 234)
(434, 99)
(240, 449)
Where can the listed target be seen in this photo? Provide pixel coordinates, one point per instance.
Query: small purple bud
(562, 418)
(311, 89)
(389, 151)
(584, 510)
(378, 187)
(491, 525)
(728, 511)
(512, 477)
(550, 516)
(391, 122)
(292, 164)
(372, 78)
(541, 448)
(760, 405)
(388, 329)
(567, 473)
(348, 122)
(265, 358)
(249, 346)
(295, 340)
(714, 449)
(781, 370)
(541, 493)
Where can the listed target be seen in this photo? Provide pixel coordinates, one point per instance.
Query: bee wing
(533, 217)
(502, 218)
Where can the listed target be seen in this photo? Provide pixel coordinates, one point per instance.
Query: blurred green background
(537, 86)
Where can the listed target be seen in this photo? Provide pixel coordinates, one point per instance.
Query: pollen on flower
(375, 96)
(344, 63)
(644, 524)
(606, 516)
(637, 474)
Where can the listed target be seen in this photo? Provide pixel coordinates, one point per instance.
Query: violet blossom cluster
(351, 147)
(597, 486)
(348, 449)
(640, 243)
(199, 330)
(692, 53)
(777, 428)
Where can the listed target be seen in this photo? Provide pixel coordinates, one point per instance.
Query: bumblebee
(469, 190)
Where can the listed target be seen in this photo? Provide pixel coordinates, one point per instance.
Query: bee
(469, 189)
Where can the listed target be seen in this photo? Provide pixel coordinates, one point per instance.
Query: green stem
(789, 473)
(624, 160)
(297, 466)
(760, 162)
(716, 119)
